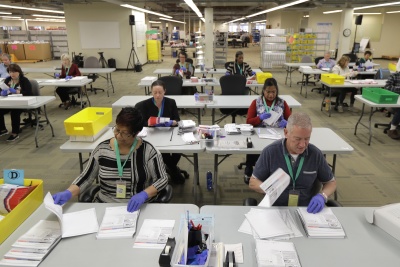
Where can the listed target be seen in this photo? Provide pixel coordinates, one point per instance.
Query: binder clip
(166, 254)
(249, 143)
(230, 259)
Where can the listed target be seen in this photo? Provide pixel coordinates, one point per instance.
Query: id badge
(293, 198)
(121, 189)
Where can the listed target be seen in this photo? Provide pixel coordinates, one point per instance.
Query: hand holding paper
(61, 198)
(137, 201)
(13, 91)
(265, 116)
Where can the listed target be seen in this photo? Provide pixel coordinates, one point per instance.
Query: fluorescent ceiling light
(6, 13)
(48, 16)
(258, 21)
(203, 19)
(236, 20)
(306, 16)
(386, 4)
(49, 20)
(145, 11)
(173, 20)
(367, 13)
(10, 17)
(333, 11)
(155, 22)
(34, 9)
(278, 7)
(391, 12)
(194, 8)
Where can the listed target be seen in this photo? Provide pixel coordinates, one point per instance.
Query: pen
(172, 133)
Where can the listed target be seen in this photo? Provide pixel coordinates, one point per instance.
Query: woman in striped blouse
(130, 170)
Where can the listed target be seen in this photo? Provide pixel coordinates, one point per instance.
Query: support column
(346, 23)
(209, 38)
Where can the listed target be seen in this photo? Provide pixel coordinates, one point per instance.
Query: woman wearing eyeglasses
(129, 169)
(161, 106)
(261, 113)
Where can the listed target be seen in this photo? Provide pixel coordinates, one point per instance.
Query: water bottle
(209, 181)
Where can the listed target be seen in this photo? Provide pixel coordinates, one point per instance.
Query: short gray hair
(65, 56)
(327, 53)
(6, 55)
(299, 119)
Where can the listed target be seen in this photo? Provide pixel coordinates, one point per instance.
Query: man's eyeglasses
(122, 134)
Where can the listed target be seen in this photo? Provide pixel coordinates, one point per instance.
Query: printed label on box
(13, 176)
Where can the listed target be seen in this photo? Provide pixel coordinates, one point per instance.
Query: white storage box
(148, 80)
(17, 101)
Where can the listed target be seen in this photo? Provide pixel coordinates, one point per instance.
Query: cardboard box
(18, 50)
(17, 100)
(24, 209)
(37, 51)
(331, 78)
(88, 122)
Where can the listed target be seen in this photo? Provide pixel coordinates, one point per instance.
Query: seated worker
(18, 84)
(183, 68)
(161, 106)
(393, 84)
(304, 162)
(342, 68)
(68, 69)
(123, 163)
(260, 110)
(366, 58)
(326, 62)
(239, 67)
(6, 61)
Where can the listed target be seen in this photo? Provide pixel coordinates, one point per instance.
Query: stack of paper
(280, 223)
(32, 247)
(231, 128)
(276, 254)
(232, 144)
(268, 133)
(118, 223)
(186, 126)
(154, 233)
(274, 187)
(324, 224)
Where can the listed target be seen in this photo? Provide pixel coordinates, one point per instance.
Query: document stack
(230, 128)
(324, 224)
(276, 254)
(118, 223)
(186, 126)
(32, 247)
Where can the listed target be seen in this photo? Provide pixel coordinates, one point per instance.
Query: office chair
(233, 85)
(306, 59)
(316, 60)
(89, 194)
(29, 121)
(352, 57)
(191, 90)
(315, 190)
(92, 62)
(383, 74)
(173, 85)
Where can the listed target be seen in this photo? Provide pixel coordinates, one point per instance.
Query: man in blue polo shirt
(304, 163)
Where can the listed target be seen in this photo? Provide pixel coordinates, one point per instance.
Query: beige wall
(291, 20)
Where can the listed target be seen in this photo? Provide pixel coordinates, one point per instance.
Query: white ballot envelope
(273, 187)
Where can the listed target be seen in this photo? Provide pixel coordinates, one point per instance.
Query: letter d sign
(13, 177)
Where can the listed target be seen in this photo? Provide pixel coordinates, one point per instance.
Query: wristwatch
(325, 196)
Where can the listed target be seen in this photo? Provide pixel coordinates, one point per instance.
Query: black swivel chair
(316, 60)
(32, 118)
(315, 190)
(353, 57)
(173, 85)
(88, 195)
(233, 85)
(383, 74)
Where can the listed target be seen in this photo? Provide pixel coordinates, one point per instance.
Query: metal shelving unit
(220, 48)
(307, 44)
(273, 48)
(199, 41)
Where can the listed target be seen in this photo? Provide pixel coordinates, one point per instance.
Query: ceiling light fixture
(258, 21)
(34, 9)
(306, 16)
(48, 16)
(391, 12)
(49, 20)
(6, 13)
(386, 4)
(10, 17)
(194, 8)
(236, 20)
(173, 20)
(145, 11)
(155, 22)
(332, 11)
(278, 7)
(376, 13)
(203, 19)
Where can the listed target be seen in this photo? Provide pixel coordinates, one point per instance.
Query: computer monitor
(356, 48)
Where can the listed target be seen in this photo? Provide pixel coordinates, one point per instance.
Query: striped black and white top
(144, 168)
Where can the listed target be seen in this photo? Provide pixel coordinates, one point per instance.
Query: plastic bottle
(327, 104)
(209, 181)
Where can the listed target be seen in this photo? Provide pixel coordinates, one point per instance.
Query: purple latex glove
(159, 125)
(282, 123)
(177, 72)
(13, 91)
(317, 203)
(183, 69)
(4, 92)
(253, 73)
(168, 124)
(137, 201)
(265, 116)
(61, 198)
(227, 73)
(68, 77)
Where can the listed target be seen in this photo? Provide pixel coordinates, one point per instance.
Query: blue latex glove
(183, 69)
(137, 201)
(177, 72)
(13, 91)
(227, 73)
(168, 124)
(61, 198)
(68, 77)
(253, 73)
(265, 116)
(317, 203)
(159, 125)
(4, 92)
(282, 123)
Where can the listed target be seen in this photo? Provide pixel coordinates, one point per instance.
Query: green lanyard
(268, 109)
(66, 71)
(161, 110)
(290, 168)
(240, 69)
(121, 167)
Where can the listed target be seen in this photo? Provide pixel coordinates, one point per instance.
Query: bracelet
(325, 196)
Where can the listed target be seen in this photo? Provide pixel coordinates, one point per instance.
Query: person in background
(239, 67)
(161, 106)
(244, 38)
(393, 84)
(304, 162)
(326, 62)
(6, 61)
(342, 68)
(259, 111)
(183, 68)
(18, 84)
(125, 164)
(366, 58)
(68, 70)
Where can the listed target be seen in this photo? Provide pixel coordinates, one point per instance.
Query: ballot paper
(276, 254)
(4, 86)
(274, 117)
(268, 133)
(118, 223)
(273, 187)
(74, 223)
(79, 78)
(189, 138)
(238, 249)
(154, 233)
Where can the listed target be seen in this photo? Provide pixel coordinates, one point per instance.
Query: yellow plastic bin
(262, 76)
(23, 210)
(331, 78)
(88, 122)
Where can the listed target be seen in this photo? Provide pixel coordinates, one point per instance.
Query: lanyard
(13, 85)
(121, 167)
(66, 71)
(268, 109)
(161, 110)
(240, 69)
(290, 168)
